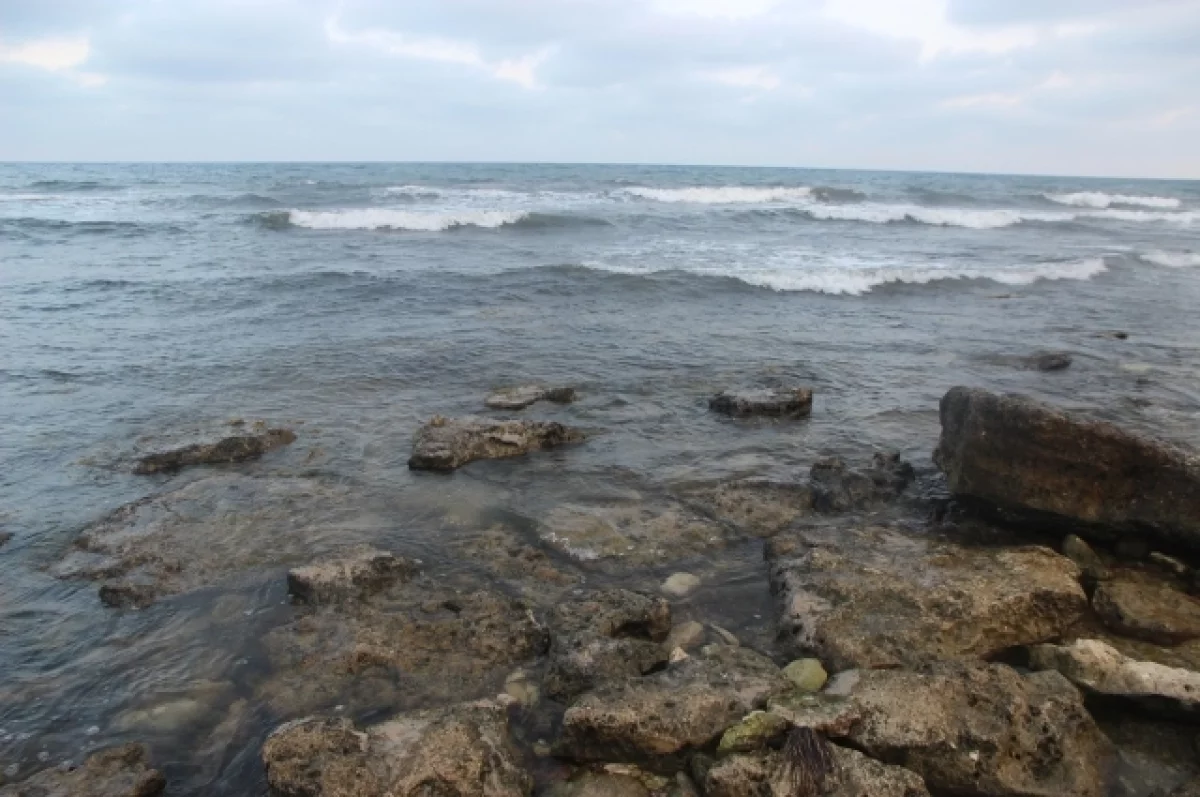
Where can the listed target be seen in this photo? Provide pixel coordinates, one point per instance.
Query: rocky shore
(1023, 624)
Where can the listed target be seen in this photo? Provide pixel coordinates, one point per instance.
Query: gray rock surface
(874, 596)
(444, 444)
(1082, 554)
(518, 398)
(1047, 361)
(116, 772)
(768, 774)
(1147, 609)
(1015, 452)
(772, 402)
(756, 507)
(838, 488)
(352, 575)
(237, 448)
(462, 751)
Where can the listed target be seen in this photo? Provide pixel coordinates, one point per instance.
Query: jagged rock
(758, 507)
(463, 751)
(238, 448)
(769, 774)
(354, 575)
(872, 596)
(807, 675)
(679, 585)
(1047, 361)
(603, 636)
(1017, 453)
(782, 403)
(518, 398)
(116, 772)
(658, 718)
(837, 488)
(1082, 554)
(445, 444)
(983, 730)
(1102, 669)
(1149, 610)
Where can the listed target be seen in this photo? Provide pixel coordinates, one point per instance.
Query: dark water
(144, 304)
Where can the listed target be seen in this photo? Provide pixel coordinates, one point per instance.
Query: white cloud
(522, 70)
(760, 78)
(996, 99)
(54, 55)
(715, 9)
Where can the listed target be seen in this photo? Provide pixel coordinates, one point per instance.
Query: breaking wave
(1172, 259)
(941, 217)
(722, 195)
(1099, 199)
(418, 221)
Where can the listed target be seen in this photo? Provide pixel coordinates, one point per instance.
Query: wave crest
(1172, 259)
(1100, 200)
(419, 221)
(722, 195)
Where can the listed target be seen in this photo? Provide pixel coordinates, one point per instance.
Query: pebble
(685, 635)
(679, 585)
(807, 675)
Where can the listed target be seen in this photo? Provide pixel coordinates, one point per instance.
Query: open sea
(145, 304)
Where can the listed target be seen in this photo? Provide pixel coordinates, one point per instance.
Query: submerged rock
(1020, 454)
(462, 751)
(754, 732)
(771, 774)
(1101, 669)
(680, 585)
(518, 398)
(780, 403)
(445, 444)
(117, 772)
(1149, 610)
(624, 533)
(807, 675)
(1047, 361)
(237, 448)
(5, 536)
(757, 507)
(351, 576)
(872, 596)
(838, 488)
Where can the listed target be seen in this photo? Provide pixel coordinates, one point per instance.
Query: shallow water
(141, 305)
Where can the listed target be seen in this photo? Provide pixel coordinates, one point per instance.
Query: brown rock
(518, 398)
(1148, 610)
(238, 448)
(779, 403)
(117, 772)
(626, 533)
(769, 774)
(446, 444)
(757, 507)
(354, 575)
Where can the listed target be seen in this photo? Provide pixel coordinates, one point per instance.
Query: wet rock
(590, 783)
(518, 398)
(757, 507)
(831, 715)
(1101, 669)
(355, 575)
(117, 772)
(522, 688)
(5, 536)
(687, 636)
(680, 585)
(838, 488)
(445, 444)
(128, 594)
(1149, 610)
(723, 636)
(1170, 564)
(463, 751)
(511, 556)
(237, 448)
(873, 596)
(779, 403)
(1089, 562)
(625, 533)
(807, 675)
(605, 635)
(753, 732)
(771, 774)
(970, 728)
(1020, 454)
(657, 718)
(1047, 361)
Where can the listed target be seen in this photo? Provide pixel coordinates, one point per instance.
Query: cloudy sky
(1098, 87)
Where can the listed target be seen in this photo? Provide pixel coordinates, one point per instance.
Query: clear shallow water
(139, 304)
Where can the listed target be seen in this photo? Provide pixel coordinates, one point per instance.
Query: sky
(1084, 87)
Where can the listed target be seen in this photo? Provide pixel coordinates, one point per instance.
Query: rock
(1101, 669)
(679, 585)
(831, 715)
(807, 675)
(445, 444)
(873, 596)
(518, 398)
(1017, 453)
(1189, 789)
(1170, 564)
(128, 594)
(522, 688)
(782, 403)
(659, 718)
(620, 534)
(1090, 563)
(605, 635)
(753, 732)
(687, 636)
(757, 507)
(970, 728)
(837, 488)
(770, 774)
(5, 537)
(1047, 361)
(354, 575)
(463, 751)
(238, 448)
(1148, 610)
(725, 637)
(590, 783)
(116, 772)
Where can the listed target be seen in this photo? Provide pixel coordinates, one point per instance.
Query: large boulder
(445, 444)
(1101, 669)
(463, 751)
(1019, 454)
(116, 772)
(1147, 609)
(770, 773)
(236, 448)
(772, 402)
(875, 596)
(659, 718)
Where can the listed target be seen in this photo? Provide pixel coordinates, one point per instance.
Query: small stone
(784, 403)
(685, 635)
(542, 749)
(807, 674)
(679, 585)
(754, 732)
(239, 448)
(725, 637)
(677, 655)
(5, 536)
(523, 688)
(1048, 361)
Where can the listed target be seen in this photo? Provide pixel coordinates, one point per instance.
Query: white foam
(389, 219)
(1172, 259)
(942, 217)
(1183, 217)
(722, 195)
(1099, 199)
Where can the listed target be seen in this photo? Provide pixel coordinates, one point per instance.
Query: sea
(145, 304)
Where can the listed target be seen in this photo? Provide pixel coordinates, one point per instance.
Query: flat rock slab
(117, 772)
(630, 532)
(1020, 454)
(874, 596)
(518, 398)
(755, 507)
(1147, 609)
(446, 444)
(236, 448)
(463, 751)
(1101, 669)
(769, 402)
(353, 575)
(770, 774)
